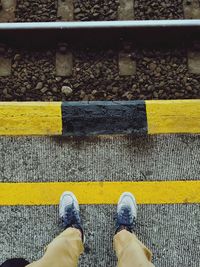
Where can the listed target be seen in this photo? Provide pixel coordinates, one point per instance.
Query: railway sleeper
(194, 58)
(7, 10)
(127, 66)
(64, 57)
(5, 62)
(64, 60)
(65, 11)
(191, 9)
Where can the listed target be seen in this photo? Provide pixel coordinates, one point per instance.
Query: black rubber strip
(103, 117)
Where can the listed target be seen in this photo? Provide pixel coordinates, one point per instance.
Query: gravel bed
(36, 10)
(46, 10)
(161, 74)
(92, 10)
(160, 9)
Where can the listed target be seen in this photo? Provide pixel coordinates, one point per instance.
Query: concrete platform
(142, 158)
(171, 231)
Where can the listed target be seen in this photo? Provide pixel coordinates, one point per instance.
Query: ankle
(79, 228)
(123, 227)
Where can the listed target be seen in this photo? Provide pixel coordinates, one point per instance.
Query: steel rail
(100, 32)
(101, 24)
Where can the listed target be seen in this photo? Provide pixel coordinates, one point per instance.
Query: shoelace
(71, 219)
(70, 216)
(124, 217)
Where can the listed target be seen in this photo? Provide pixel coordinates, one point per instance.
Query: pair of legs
(64, 250)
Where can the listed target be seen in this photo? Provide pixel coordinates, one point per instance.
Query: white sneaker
(67, 199)
(69, 211)
(126, 212)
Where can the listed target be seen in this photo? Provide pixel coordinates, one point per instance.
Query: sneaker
(126, 213)
(69, 212)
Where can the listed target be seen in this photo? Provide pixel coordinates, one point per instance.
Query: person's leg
(129, 250)
(65, 249)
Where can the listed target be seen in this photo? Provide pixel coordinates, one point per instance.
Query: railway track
(102, 61)
(102, 53)
(126, 71)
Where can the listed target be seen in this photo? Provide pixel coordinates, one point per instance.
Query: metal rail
(101, 24)
(100, 32)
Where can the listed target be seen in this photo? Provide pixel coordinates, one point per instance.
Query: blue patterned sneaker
(69, 211)
(126, 213)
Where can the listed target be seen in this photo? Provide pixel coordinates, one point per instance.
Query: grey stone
(66, 90)
(44, 90)
(77, 10)
(152, 66)
(39, 86)
(17, 57)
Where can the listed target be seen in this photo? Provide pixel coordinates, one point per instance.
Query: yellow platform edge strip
(156, 192)
(45, 118)
(173, 116)
(30, 118)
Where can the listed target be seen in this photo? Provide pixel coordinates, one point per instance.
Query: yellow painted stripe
(28, 118)
(173, 116)
(100, 192)
(45, 118)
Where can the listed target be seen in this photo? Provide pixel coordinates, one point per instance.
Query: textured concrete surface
(118, 158)
(170, 231)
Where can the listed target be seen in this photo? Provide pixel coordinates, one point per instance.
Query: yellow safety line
(30, 118)
(159, 192)
(173, 116)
